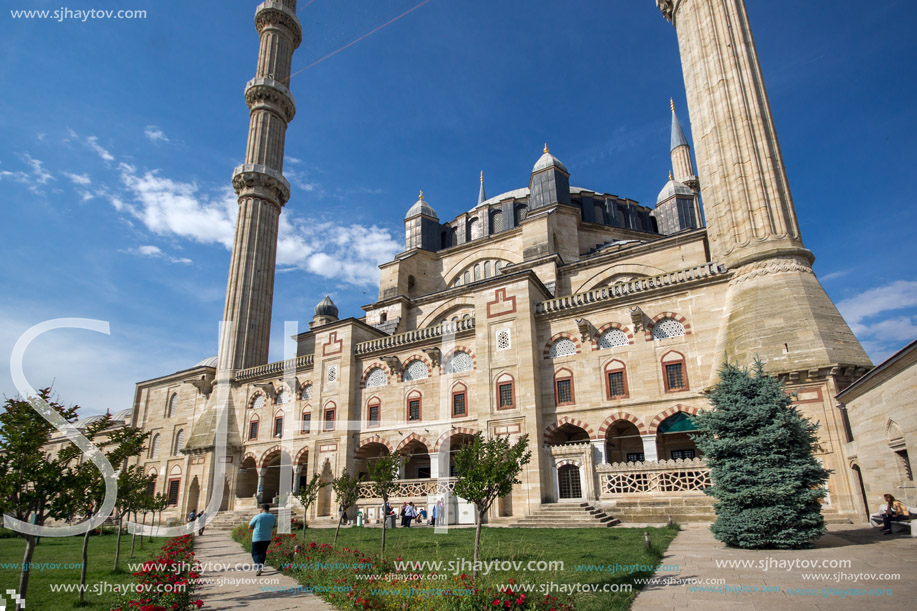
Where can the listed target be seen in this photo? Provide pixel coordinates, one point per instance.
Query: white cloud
(82, 180)
(93, 143)
(895, 296)
(154, 134)
(154, 252)
(39, 173)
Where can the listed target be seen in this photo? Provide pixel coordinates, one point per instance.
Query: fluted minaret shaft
(262, 190)
(747, 201)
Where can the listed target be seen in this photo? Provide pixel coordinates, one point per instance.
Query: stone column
(262, 190)
(260, 495)
(598, 451)
(775, 309)
(650, 453)
(297, 470)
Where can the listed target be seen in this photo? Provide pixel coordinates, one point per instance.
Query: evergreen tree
(766, 480)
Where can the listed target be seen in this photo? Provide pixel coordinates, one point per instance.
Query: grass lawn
(586, 546)
(66, 550)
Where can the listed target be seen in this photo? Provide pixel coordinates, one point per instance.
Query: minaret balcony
(260, 181)
(274, 13)
(267, 94)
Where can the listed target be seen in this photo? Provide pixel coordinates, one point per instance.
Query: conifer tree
(766, 480)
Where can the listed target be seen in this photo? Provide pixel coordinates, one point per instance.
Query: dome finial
(672, 104)
(546, 148)
(482, 175)
(421, 196)
(670, 174)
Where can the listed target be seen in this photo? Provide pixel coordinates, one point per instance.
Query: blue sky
(119, 138)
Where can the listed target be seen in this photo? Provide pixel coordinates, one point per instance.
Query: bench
(875, 520)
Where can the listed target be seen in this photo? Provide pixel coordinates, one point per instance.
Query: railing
(417, 335)
(300, 362)
(690, 475)
(412, 488)
(637, 285)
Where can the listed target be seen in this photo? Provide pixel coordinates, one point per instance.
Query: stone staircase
(227, 520)
(567, 515)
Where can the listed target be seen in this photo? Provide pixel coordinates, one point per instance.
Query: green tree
(766, 480)
(132, 484)
(84, 481)
(383, 471)
(347, 490)
(307, 495)
(30, 480)
(488, 470)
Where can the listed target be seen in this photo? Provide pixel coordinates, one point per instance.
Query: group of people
(410, 513)
(198, 516)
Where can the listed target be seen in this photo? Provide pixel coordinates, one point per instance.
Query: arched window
(414, 407)
(416, 370)
(376, 377)
(459, 401)
(668, 327)
(459, 363)
(520, 211)
(674, 372)
(472, 229)
(496, 221)
(622, 221)
(253, 428)
(466, 277)
(613, 338)
(487, 269)
(154, 446)
(616, 380)
(373, 412)
(173, 405)
(562, 347)
(278, 424)
(259, 401)
(306, 422)
(563, 388)
(283, 397)
(329, 417)
(599, 212)
(506, 392)
(497, 267)
(179, 442)
(306, 393)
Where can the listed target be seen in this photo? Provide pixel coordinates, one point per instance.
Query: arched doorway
(271, 470)
(417, 465)
(194, 493)
(623, 443)
(366, 454)
(451, 445)
(673, 438)
(567, 433)
(247, 479)
(569, 486)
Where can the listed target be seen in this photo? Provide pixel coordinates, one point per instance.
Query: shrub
(168, 581)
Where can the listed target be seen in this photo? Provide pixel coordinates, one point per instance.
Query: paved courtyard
(870, 554)
(229, 588)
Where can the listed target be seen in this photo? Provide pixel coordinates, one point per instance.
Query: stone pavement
(695, 552)
(225, 591)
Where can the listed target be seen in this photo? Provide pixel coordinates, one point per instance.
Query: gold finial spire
(672, 104)
(482, 175)
(546, 148)
(670, 178)
(421, 196)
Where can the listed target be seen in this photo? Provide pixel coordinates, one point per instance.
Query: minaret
(262, 190)
(775, 309)
(481, 197)
(682, 166)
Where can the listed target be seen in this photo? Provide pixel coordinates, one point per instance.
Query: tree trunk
(142, 525)
(83, 568)
(384, 521)
(118, 542)
(337, 530)
(133, 536)
(304, 511)
(477, 541)
(26, 563)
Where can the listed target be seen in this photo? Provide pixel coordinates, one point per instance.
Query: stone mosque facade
(580, 318)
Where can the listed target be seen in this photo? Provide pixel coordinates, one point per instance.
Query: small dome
(326, 307)
(421, 207)
(211, 362)
(548, 161)
(673, 188)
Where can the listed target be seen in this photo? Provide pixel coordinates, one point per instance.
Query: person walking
(409, 514)
(202, 516)
(434, 514)
(192, 515)
(262, 527)
(895, 511)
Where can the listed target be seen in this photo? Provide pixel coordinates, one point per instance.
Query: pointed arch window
(373, 412)
(506, 392)
(179, 442)
(154, 446)
(414, 407)
(173, 406)
(674, 372)
(616, 380)
(563, 388)
(253, 428)
(416, 370)
(459, 401)
(376, 378)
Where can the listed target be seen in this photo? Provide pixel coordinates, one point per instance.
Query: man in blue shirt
(262, 527)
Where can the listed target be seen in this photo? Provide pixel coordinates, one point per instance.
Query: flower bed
(168, 581)
(353, 581)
